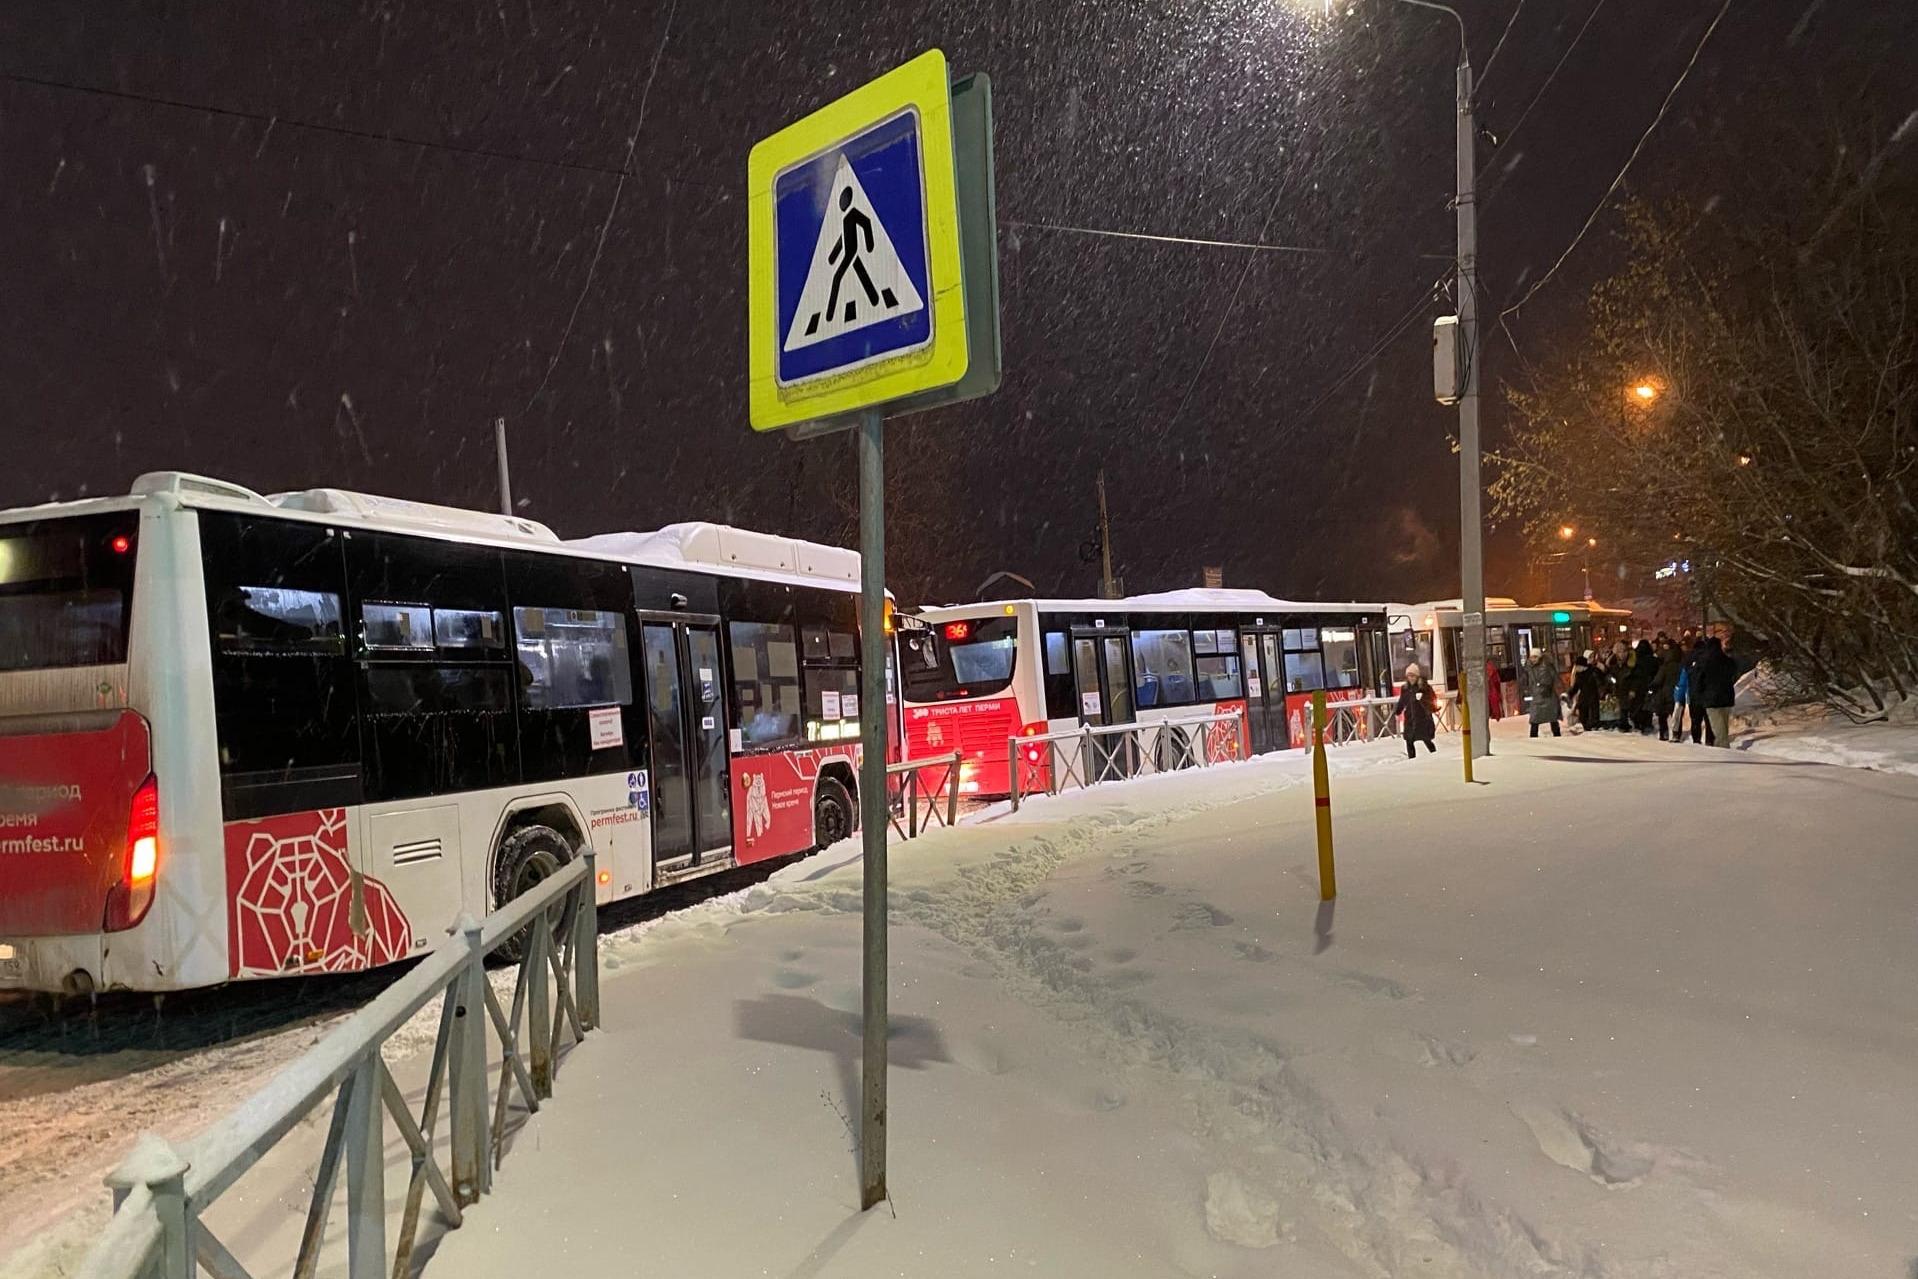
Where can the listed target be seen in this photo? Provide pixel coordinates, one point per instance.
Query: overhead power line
(1664, 107)
(1509, 24)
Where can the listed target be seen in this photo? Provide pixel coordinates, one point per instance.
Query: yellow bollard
(1465, 723)
(1322, 801)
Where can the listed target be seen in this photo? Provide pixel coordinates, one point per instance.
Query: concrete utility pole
(1108, 589)
(1471, 533)
(1471, 549)
(505, 480)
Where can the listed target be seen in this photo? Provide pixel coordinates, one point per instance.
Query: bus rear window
(970, 658)
(66, 587)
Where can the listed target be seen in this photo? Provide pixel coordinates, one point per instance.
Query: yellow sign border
(922, 85)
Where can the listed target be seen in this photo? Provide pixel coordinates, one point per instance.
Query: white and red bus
(974, 675)
(1431, 635)
(244, 736)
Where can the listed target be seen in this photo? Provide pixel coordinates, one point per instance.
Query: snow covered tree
(1744, 395)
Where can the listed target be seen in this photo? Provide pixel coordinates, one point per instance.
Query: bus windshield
(65, 588)
(967, 658)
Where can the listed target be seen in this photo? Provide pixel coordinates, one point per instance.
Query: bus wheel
(831, 812)
(528, 857)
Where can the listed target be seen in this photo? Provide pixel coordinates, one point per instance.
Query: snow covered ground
(1625, 1009)
(1819, 734)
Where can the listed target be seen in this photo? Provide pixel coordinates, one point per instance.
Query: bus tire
(832, 815)
(527, 857)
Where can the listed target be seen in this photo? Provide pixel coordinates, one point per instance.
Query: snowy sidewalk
(1628, 1009)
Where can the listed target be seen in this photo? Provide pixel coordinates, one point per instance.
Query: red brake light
(121, 544)
(129, 899)
(957, 631)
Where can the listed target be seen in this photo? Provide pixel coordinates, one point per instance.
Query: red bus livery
(244, 736)
(973, 675)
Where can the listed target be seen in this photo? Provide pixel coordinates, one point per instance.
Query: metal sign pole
(872, 799)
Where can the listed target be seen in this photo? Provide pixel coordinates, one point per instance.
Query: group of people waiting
(1629, 688)
(1632, 689)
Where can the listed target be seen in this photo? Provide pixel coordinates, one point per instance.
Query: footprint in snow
(1253, 951)
(1574, 1143)
(1440, 1052)
(1068, 924)
(793, 978)
(1200, 915)
(1143, 888)
(1372, 984)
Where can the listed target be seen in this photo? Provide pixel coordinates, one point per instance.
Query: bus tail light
(130, 898)
(1035, 751)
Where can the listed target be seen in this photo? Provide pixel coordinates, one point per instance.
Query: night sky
(296, 245)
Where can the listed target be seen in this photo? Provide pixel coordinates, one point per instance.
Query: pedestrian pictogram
(856, 277)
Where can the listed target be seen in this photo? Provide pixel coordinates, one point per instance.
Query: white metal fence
(160, 1193)
(925, 795)
(1073, 758)
(1366, 719)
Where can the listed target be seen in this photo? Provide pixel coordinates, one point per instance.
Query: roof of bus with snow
(1194, 599)
(704, 547)
(1497, 607)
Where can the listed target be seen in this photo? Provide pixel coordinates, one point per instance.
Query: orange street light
(1565, 532)
(1645, 392)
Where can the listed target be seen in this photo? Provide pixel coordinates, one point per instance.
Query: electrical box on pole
(1448, 380)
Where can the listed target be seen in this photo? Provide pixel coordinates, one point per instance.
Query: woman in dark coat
(1587, 687)
(1418, 703)
(1541, 685)
(1644, 680)
(1665, 687)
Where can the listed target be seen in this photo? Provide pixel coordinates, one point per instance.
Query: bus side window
(285, 708)
(573, 641)
(1060, 702)
(766, 684)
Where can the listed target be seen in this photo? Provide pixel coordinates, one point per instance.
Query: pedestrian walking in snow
(1665, 685)
(1588, 690)
(1644, 668)
(1418, 704)
(1541, 685)
(1701, 726)
(1717, 676)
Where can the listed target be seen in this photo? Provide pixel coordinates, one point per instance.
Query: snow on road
(1627, 1009)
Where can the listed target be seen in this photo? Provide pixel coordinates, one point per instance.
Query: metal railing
(906, 817)
(1366, 719)
(160, 1194)
(1073, 758)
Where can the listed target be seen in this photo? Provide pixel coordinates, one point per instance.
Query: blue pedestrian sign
(850, 252)
(857, 287)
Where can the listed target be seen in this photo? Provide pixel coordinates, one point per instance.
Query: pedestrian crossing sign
(857, 288)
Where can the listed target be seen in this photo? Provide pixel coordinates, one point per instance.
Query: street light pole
(1471, 554)
(1471, 533)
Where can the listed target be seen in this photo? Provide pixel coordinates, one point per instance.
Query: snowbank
(1762, 723)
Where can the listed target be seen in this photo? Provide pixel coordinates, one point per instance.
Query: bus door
(1264, 689)
(686, 729)
(1102, 674)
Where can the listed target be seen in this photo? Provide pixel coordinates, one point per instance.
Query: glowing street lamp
(1566, 532)
(1645, 392)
